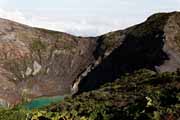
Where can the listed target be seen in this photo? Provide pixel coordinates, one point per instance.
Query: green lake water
(42, 102)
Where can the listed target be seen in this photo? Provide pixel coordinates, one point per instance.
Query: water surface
(42, 102)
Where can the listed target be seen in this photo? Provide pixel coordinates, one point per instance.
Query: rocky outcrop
(37, 62)
(153, 44)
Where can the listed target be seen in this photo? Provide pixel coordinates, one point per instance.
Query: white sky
(84, 17)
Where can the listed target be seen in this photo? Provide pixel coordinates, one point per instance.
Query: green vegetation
(13, 114)
(155, 22)
(68, 47)
(50, 32)
(38, 46)
(142, 95)
(111, 39)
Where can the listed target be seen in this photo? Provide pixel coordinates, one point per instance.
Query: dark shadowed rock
(152, 44)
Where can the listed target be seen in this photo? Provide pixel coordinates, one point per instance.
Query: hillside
(142, 95)
(153, 44)
(36, 62)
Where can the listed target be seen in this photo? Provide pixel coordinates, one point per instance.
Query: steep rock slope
(36, 62)
(153, 44)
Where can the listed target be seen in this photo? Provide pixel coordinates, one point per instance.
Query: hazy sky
(84, 17)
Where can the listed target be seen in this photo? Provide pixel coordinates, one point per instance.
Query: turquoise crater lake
(42, 102)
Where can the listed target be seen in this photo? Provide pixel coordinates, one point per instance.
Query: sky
(84, 17)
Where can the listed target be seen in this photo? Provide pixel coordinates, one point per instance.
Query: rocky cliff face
(153, 44)
(36, 62)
